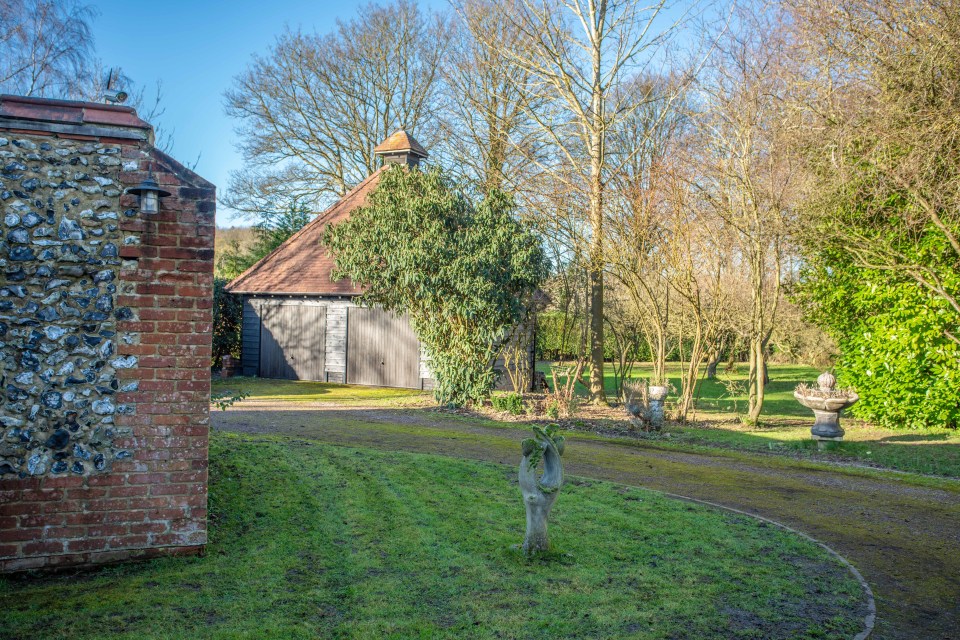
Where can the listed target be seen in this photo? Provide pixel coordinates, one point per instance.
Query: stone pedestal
(539, 493)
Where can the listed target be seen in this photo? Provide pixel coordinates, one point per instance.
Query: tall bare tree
(489, 132)
(748, 174)
(638, 219)
(578, 54)
(312, 110)
(46, 48)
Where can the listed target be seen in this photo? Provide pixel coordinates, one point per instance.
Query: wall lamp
(149, 193)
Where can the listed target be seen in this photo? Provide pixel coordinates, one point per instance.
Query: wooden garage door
(382, 349)
(292, 341)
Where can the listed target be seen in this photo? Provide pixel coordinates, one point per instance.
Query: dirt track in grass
(904, 538)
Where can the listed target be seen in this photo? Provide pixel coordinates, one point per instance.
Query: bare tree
(639, 229)
(46, 48)
(312, 110)
(699, 266)
(878, 125)
(748, 175)
(578, 54)
(489, 129)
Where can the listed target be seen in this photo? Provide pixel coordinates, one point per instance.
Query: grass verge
(311, 540)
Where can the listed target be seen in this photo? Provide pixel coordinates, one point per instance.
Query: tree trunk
(758, 365)
(712, 367)
(685, 401)
(596, 269)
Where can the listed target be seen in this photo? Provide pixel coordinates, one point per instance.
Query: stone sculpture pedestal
(539, 494)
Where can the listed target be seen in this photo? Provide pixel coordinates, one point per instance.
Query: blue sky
(196, 48)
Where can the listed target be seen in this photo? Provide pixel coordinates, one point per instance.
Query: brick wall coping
(72, 117)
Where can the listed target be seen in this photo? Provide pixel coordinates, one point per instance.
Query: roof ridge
(236, 282)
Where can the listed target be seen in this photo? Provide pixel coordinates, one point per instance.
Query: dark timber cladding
(382, 349)
(293, 341)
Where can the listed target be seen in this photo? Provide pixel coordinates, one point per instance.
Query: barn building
(301, 324)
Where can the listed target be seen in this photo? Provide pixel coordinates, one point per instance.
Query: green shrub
(905, 369)
(463, 271)
(227, 320)
(511, 403)
(894, 348)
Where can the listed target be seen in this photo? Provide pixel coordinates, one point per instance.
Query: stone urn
(827, 402)
(656, 394)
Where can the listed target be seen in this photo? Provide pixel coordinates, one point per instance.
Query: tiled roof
(302, 265)
(400, 141)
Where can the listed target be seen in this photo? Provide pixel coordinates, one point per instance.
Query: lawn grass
(312, 540)
(933, 452)
(306, 391)
(785, 425)
(726, 394)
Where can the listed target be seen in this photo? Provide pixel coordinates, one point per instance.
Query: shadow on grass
(917, 438)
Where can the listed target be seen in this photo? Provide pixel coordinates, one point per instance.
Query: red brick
(108, 530)
(41, 495)
(169, 489)
(110, 480)
(20, 534)
(149, 527)
(40, 521)
(65, 532)
(66, 481)
(42, 547)
(159, 314)
(21, 508)
(156, 289)
(87, 544)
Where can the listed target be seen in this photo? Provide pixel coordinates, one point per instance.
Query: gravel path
(904, 539)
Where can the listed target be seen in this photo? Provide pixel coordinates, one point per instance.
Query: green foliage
(226, 399)
(272, 229)
(227, 321)
(883, 268)
(511, 403)
(894, 351)
(463, 272)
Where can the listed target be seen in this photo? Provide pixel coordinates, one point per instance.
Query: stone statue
(540, 493)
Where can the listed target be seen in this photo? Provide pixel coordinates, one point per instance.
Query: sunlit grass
(319, 541)
(306, 391)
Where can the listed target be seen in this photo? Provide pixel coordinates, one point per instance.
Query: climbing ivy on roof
(463, 271)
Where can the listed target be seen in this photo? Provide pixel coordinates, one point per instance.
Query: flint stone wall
(105, 321)
(58, 308)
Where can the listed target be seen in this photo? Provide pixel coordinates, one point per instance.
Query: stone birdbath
(539, 493)
(827, 402)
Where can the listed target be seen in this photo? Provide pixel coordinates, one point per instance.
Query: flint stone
(124, 362)
(52, 400)
(104, 407)
(69, 230)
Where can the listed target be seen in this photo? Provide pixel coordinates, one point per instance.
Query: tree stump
(539, 493)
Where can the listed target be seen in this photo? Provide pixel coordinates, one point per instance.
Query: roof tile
(302, 265)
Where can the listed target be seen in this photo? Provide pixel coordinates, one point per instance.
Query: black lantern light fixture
(149, 193)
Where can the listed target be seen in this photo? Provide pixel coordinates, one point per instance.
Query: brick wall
(142, 412)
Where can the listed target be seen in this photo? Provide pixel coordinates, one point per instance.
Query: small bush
(511, 403)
